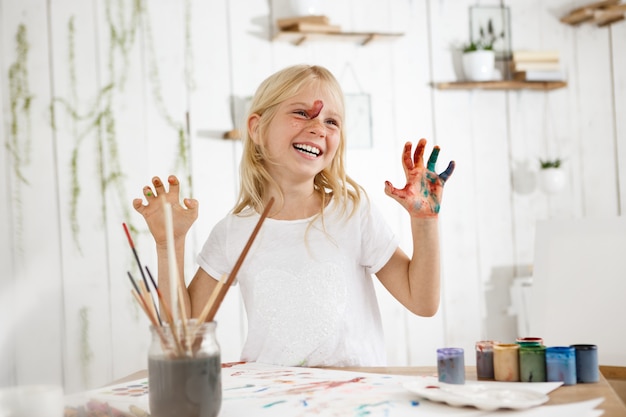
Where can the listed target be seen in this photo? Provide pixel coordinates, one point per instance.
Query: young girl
(306, 281)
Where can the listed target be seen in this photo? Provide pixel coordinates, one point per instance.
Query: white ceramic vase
(479, 65)
(552, 180)
(305, 7)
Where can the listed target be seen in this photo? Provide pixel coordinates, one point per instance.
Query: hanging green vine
(99, 119)
(18, 142)
(86, 354)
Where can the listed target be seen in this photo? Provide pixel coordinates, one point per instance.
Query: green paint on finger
(433, 159)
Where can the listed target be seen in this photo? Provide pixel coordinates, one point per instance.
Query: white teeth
(308, 149)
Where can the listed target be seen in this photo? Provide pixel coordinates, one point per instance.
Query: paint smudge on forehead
(314, 111)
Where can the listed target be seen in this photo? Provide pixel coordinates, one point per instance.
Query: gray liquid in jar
(185, 387)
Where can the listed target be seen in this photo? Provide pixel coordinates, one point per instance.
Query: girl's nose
(316, 127)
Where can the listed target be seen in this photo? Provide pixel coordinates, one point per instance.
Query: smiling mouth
(307, 149)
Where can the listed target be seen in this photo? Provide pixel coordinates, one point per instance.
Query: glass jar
(532, 363)
(451, 365)
(185, 371)
(587, 369)
(561, 364)
(506, 362)
(484, 359)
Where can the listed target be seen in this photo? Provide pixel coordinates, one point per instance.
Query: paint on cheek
(314, 111)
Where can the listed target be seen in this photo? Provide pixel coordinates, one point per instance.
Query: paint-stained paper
(267, 390)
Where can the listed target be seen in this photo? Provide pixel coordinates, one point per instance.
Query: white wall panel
(618, 43)
(77, 87)
(595, 104)
(453, 112)
(35, 249)
(214, 159)
(413, 120)
(7, 347)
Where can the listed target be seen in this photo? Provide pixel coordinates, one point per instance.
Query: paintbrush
(207, 307)
(166, 309)
(171, 260)
(144, 306)
(158, 327)
(143, 276)
(215, 305)
(176, 287)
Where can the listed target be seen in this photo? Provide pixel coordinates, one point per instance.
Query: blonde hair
(332, 182)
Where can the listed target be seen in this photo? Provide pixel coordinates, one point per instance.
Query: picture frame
(481, 17)
(358, 121)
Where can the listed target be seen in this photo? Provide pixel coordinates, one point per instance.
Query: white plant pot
(479, 65)
(305, 7)
(552, 180)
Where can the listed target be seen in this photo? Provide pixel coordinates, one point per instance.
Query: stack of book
(307, 24)
(537, 66)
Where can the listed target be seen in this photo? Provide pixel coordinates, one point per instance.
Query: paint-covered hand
(154, 212)
(421, 196)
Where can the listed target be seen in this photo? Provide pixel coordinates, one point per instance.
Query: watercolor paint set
(526, 360)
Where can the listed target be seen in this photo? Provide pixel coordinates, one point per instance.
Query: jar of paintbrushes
(184, 370)
(184, 361)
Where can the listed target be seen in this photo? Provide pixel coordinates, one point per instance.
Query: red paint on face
(314, 111)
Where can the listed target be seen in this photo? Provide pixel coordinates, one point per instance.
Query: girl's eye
(301, 113)
(333, 122)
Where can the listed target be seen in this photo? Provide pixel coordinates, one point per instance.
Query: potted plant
(479, 58)
(305, 7)
(552, 177)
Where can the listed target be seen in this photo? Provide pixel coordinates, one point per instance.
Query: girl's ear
(253, 127)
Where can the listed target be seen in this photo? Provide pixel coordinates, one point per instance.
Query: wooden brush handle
(231, 277)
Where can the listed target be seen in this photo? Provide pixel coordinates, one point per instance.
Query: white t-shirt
(308, 294)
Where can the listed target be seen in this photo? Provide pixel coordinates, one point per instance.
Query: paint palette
(482, 396)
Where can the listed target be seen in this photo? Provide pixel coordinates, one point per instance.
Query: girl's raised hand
(154, 213)
(421, 196)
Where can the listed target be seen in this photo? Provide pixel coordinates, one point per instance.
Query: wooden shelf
(362, 38)
(233, 134)
(501, 85)
(601, 13)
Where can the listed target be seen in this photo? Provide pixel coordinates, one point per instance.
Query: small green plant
(547, 164)
(486, 39)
